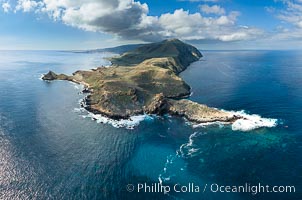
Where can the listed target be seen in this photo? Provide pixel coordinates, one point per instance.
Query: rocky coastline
(145, 81)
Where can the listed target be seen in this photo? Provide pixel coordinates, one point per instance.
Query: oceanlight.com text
(253, 189)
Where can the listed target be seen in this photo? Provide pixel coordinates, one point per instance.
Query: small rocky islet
(145, 81)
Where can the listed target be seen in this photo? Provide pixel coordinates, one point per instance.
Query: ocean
(50, 148)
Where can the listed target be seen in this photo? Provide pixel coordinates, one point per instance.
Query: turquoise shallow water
(49, 151)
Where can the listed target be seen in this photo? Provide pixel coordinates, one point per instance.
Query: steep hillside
(178, 52)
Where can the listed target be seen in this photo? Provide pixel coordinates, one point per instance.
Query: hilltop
(144, 80)
(174, 52)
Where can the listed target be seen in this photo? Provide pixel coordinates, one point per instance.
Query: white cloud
(291, 16)
(28, 5)
(6, 7)
(292, 12)
(129, 19)
(194, 26)
(215, 9)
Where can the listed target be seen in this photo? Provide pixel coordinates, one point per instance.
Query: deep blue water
(49, 151)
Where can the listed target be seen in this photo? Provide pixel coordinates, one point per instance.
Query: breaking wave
(250, 122)
(130, 123)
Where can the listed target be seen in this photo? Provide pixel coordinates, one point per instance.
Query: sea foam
(248, 122)
(130, 123)
(189, 149)
(251, 122)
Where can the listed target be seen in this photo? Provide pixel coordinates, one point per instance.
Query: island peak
(183, 54)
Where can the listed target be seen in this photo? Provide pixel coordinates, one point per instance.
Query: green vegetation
(177, 52)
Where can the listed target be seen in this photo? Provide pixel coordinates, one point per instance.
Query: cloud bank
(129, 19)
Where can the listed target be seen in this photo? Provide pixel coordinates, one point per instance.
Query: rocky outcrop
(200, 113)
(50, 76)
(190, 110)
(159, 105)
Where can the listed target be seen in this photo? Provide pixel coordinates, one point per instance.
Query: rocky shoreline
(145, 81)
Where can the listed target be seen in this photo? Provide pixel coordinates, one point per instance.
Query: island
(145, 81)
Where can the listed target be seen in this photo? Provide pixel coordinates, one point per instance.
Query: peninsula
(145, 80)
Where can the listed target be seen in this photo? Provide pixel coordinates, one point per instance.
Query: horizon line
(79, 50)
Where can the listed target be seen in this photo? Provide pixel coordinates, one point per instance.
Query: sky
(207, 24)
